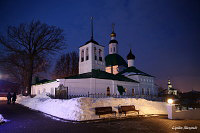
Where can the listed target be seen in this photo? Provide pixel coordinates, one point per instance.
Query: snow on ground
(1, 119)
(80, 109)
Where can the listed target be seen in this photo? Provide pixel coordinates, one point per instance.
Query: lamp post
(170, 101)
(170, 108)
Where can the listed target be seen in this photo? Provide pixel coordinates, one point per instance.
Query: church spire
(92, 28)
(113, 27)
(113, 34)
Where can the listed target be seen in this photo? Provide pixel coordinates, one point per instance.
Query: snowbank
(3, 98)
(80, 109)
(1, 119)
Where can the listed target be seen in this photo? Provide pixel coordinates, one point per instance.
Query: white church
(99, 74)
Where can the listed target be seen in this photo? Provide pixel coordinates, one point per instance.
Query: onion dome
(113, 34)
(130, 56)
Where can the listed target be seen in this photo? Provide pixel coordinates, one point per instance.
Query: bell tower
(169, 84)
(91, 55)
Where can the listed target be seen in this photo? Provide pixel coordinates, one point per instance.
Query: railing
(103, 95)
(76, 96)
(63, 94)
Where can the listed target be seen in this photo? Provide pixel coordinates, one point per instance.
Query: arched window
(125, 89)
(110, 49)
(133, 92)
(108, 91)
(82, 55)
(149, 91)
(100, 55)
(87, 54)
(142, 91)
(95, 53)
(114, 49)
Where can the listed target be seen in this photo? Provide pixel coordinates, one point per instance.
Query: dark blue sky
(163, 34)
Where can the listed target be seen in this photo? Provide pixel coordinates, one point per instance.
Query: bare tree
(74, 63)
(66, 65)
(16, 67)
(33, 42)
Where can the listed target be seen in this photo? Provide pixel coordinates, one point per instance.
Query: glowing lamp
(170, 101)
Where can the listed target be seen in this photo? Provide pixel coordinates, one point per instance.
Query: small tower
(113, 48)
(169, 84)
(91, 55)
(131, 59)
(171, 90)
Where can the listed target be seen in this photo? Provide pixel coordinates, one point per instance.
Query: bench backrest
(128, 108)
(103, 109)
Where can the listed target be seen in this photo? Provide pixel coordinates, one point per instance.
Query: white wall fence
(176, 113)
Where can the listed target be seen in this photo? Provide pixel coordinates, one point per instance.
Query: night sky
(164, 35)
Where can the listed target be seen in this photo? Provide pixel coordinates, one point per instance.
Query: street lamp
(170, 101)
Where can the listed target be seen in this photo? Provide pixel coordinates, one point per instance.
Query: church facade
(99, 74)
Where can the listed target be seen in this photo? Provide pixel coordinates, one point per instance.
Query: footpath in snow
(81, 109)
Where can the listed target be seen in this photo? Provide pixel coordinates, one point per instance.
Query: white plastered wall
(191, 114)
(93, 85)
(146, 82)
(85, 86)
(113, 48)
(91, 63)
(47, 87)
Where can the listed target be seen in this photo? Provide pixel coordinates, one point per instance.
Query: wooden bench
(125, 109)
(104, 110)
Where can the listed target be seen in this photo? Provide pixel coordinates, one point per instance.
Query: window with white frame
(142, 91)
(87, 54)
(133, 92)
(82, 55)
(100, 55)
(95, 53)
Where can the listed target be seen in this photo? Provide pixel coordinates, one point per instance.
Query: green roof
(92, 41)
(134, 71)
(115, 59)
(101, 75)
(44, 81)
